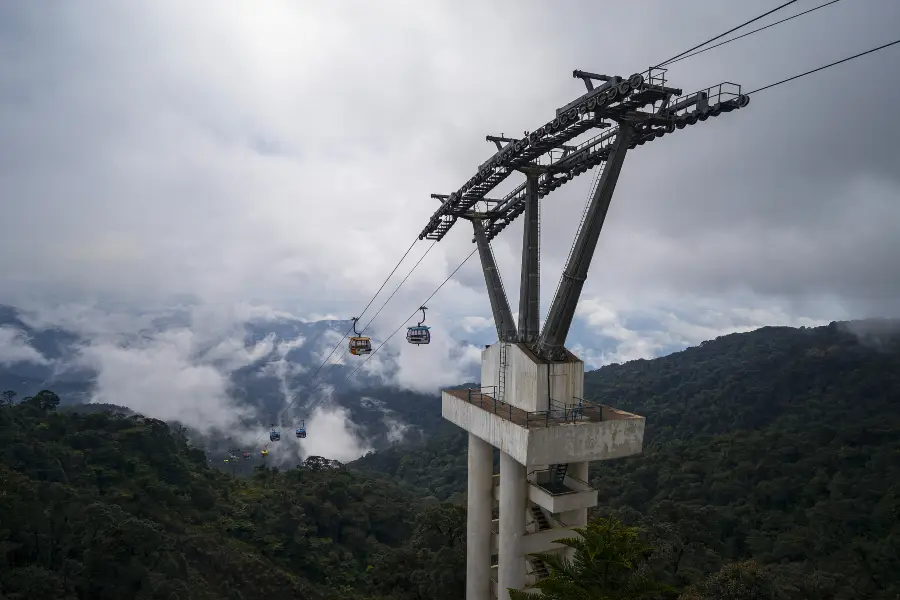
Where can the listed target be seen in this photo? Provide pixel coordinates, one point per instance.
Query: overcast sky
(283, 153)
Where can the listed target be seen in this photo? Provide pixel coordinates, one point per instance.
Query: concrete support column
(511, 567)
(579, 517)
(478, 519)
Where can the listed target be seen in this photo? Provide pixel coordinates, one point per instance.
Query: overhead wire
(405, 321)
(330, 354)
(386, 340)
(391, 274)
(837, 62)
(743, 35)
(721, 35)
(297, 396)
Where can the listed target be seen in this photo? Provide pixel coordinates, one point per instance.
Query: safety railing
(579, 410)
(701, 100)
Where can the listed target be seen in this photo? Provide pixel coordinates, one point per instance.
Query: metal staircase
(538, 568)
(558, 474)
(501, 380)
(539, 518)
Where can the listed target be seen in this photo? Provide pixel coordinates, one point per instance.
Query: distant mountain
(292, 351)
(258, 380)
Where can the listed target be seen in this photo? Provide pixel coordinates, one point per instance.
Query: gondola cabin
(301, 431)
(246, 455)
(360, 345)
(264, 453)
(418, 335)
(274, 436)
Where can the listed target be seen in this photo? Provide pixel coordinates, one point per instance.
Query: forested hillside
(780, 445)
(98, 505)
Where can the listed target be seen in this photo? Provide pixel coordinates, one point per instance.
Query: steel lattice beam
(617, 100)
(629, 113)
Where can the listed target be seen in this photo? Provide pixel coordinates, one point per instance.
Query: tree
(609, 563)
(737, 581)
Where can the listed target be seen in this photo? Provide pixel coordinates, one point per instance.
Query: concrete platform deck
(588, 413)
(574, 434)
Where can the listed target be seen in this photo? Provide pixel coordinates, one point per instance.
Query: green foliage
(609, 562)
(737, 581)
(432, 565)
(97, 505)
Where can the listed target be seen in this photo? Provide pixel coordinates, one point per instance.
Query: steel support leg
(562, 310)
(530, 285)
(503, 319)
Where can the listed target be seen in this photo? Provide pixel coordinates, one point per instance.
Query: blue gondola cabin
(418, 335)
(274, 436)
(301, 431)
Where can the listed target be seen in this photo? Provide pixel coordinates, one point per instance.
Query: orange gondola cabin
(359, 344)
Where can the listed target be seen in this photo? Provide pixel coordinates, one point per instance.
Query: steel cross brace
(562, 310)
(503, 319)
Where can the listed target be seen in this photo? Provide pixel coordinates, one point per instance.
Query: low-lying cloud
(15, 347)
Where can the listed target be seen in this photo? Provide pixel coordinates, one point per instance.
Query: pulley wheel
(636, 81)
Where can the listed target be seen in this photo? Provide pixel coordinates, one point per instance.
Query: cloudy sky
(281, 154)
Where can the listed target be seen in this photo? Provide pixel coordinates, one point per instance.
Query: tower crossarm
(643, 100)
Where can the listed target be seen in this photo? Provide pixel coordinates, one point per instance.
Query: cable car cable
(449, 277)
(401, 283)
(664, 63)
(321, 381)
(418, 262)
(407, 320)
(670, 62)
(311, 379)
(837, 62)
(391, 274)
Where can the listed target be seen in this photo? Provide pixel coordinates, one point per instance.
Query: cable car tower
(530, 402)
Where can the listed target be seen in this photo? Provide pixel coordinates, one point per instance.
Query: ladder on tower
(558, 474)
(501, 379)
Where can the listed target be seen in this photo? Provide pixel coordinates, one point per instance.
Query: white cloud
(474, 324)
(15, 347)
(667, 330)
(331, 433)
(162, 377)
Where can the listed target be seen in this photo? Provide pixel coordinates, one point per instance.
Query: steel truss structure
(629, 113)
